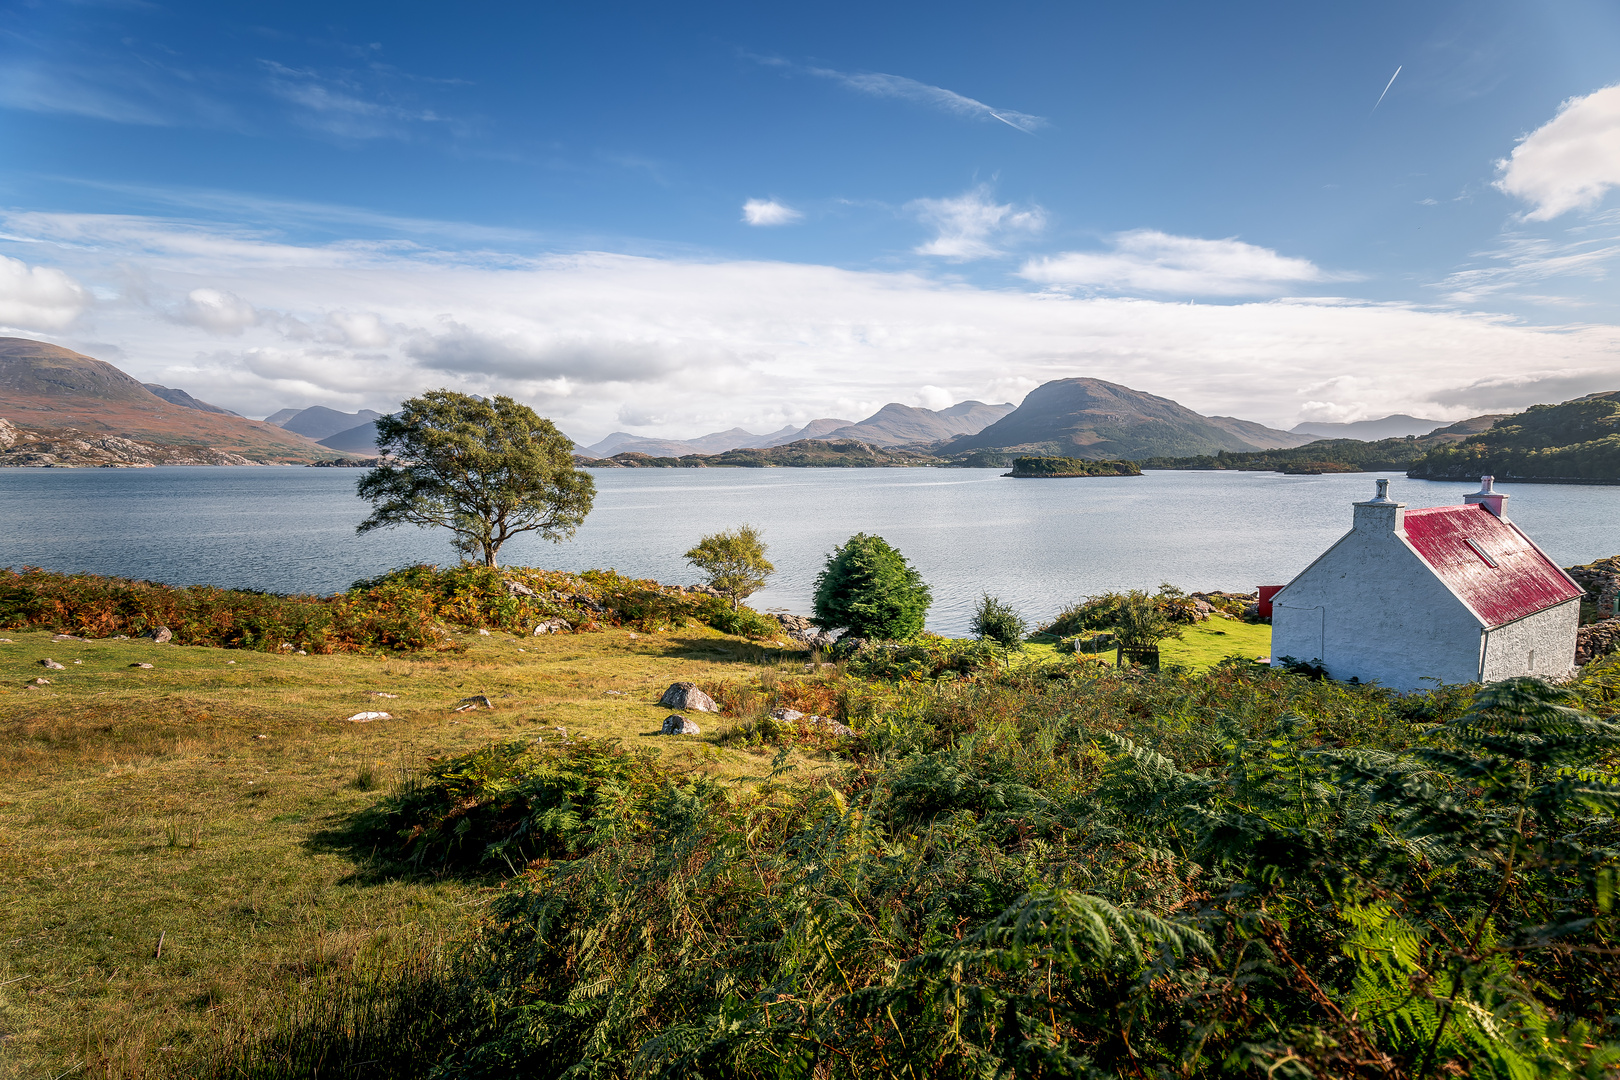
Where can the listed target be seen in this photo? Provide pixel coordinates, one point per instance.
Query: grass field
(196, 805)
(172, 852)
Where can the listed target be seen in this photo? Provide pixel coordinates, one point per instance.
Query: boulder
(554, 626)
(51, 665)
(685, 695)
(41, 681)
(162, 635)
(801, 631)
(517, 588)
(675, 724)
(67, 637)
(477, 701)
(148, 667)
(368, 717)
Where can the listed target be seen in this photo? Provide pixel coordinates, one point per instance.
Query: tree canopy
(734, 561)
(486, 469)
(868, 588)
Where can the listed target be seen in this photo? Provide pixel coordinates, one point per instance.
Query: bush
(998, 622)
(869, 589)
(742, 621)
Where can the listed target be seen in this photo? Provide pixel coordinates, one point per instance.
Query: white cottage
(1455, 593)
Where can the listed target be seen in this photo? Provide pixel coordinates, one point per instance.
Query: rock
(379, 693)
(51, 665)
(554, 626)
(67, 637)
(685, 695)
(41, 681)
(477, 701)
(1596, 640)
(482, 632)
(146, 666)
(793, 716)
(517, 588)
(368, 717)
(801, 631)
(6, 641)
(162, 635)
(676, 724)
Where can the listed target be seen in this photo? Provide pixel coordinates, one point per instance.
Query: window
(1481, 552)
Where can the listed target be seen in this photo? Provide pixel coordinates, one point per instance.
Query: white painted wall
(1542, 644)
(1371, 609)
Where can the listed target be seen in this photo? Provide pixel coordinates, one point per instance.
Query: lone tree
(735, 562)
(486, 470)
(870, 590)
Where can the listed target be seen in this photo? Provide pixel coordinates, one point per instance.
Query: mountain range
(68, 408)
(1394, 426)
(892, 425)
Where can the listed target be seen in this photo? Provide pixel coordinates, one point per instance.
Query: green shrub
(742, 621)
(998, 622)
(869, 589)
(735, 562)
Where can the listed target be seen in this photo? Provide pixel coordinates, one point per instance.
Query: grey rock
(802, 631)
(477, 701)
(517, 588)
(793, 716)
(685, 695)
(67, 637)
(554, 626)
(676, 724)
(41, 681)
(148, 667)
(51, 665)
(162, 635)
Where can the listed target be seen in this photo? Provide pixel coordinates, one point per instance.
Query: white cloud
(769, 212)
(716, 344)
(898, 86)
(1522, 259)
(1149, 261)
(38, 297)
(1570, 161)
(968, 224)
(219, 312)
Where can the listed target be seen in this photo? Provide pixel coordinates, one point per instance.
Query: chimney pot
(1488, 497)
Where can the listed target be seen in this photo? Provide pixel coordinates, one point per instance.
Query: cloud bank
(970, 225)
(1571, 161)
(597, 340)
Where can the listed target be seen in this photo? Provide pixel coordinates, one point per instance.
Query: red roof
(1488, 562)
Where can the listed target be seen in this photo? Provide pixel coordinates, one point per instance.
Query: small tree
(998, 622)
(735, 562)
(1142, 622)
(869, 589)
(487, 470)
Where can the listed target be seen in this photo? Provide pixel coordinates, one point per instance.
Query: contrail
(1387, 85)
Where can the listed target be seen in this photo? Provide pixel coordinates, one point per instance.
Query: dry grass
(198, 805)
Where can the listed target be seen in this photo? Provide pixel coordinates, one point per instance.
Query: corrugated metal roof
(1488, 562)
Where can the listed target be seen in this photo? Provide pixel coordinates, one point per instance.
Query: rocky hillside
(1090, 418)
(54, 396)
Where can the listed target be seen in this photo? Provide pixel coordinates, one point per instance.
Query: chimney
(1380, 514)
(1488, 497)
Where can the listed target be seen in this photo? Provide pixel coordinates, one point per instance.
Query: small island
(1043, 467)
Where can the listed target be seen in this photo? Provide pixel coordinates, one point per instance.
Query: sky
(674, 219)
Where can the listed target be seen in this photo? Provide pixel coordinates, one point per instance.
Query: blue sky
(672, 220)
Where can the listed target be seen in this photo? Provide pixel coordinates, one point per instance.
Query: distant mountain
(356, 440)
(719, 442)
(1090, 418)
(185, 400)
(898, 425)
(815, 429)
(1394, 426)
(46, 388)
(318, 422)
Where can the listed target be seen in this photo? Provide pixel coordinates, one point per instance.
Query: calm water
(1036, 543)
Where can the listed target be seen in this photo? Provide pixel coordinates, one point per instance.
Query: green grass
(1201, 646)
(200, 803)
